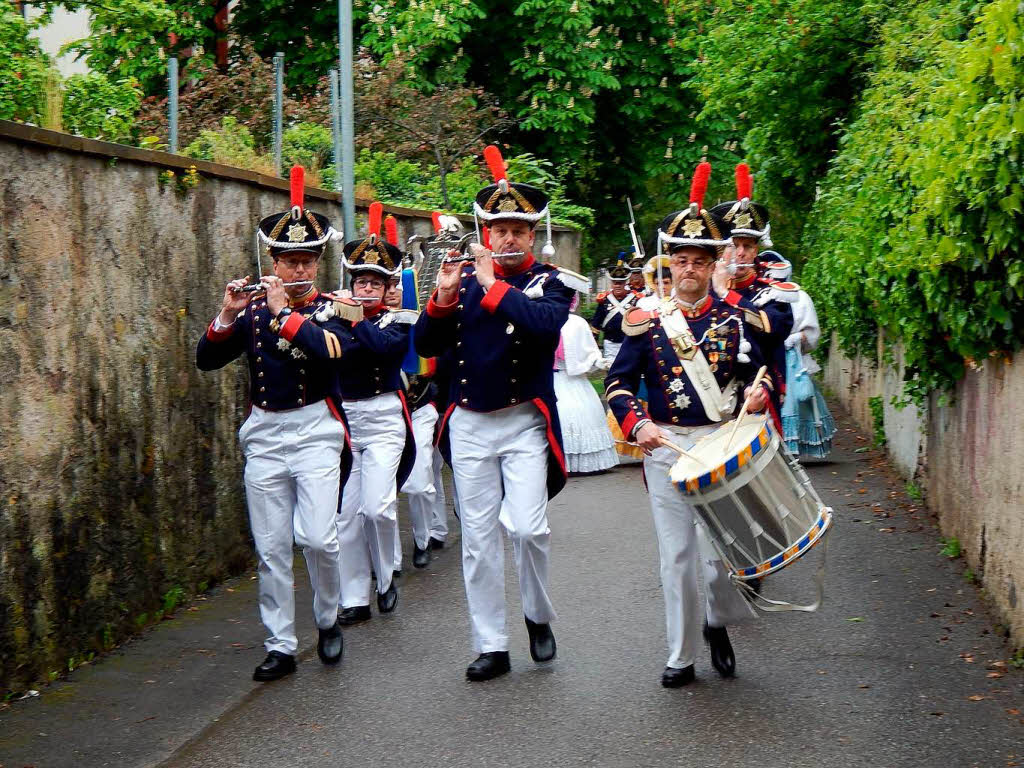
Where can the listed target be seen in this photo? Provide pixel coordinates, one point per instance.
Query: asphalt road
(900, 667)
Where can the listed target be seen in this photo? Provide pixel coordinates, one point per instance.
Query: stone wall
(120, 476)
(963, 450)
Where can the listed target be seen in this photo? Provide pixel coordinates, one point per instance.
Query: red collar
(528, 262)
(377, 309)
(305, 299)
(745, 282)
(697, 310)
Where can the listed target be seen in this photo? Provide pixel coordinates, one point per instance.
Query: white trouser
(367, 523)
(500, 462)
(611, 350)
(420, 484)
(439, 516)
(681, 543)
(292, 472)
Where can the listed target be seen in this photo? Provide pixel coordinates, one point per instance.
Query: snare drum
(754, 499)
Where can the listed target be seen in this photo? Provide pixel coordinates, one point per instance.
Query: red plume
(298, 185)
(376, 211)
(700, 184)
(391, 227)
(436, 218)
(744, 182)
(495, 162)
(487, 237)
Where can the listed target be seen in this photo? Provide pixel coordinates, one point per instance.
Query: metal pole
(348, 208)
(278, 109)
(336, 136)
(172, 105)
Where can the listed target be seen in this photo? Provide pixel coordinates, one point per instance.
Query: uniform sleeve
(218, 347)
(391, 341)
(325, 341)
(623, 382)
(746, 372)
(805, 321)
(434, 332)
(543, 316)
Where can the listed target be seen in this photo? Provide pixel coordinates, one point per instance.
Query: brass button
(264, 403)
(259, 344)
(300, 401)
(675, 419)
(377, 392)
(462, 362)
(657, 349)
(661, 362)
(458, 343)
(259, 359)
(514, 381)
(459, 307)
(465, 400)
(302, 371)
(513, 401)
(263, 389)
(463, 381)
(260, 374)
(462, 290)
(515, 362)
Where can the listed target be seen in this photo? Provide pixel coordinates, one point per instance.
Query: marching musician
(383, 450)
(694, 353)
(737, 275)
(637, 284)
(499, 318)
(294, 437)
(612, 306)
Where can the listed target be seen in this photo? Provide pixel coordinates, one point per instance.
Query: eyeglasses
(695, 263)
(367, 282)
(292, 263)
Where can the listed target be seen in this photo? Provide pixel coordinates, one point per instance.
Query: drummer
(694, 352)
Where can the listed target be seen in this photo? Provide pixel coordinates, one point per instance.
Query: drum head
(718, 455)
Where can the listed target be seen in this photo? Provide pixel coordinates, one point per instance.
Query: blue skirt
(809, 431)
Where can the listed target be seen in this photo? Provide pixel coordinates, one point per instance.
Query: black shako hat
(374, 253)
(510, 200)
(296, 229)
(694, 225)
(745, 217)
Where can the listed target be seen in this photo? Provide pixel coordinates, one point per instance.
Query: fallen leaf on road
(931, 590)
(1013, 712)
(855, 618)
(863, 686)
(151, 681)
(995, 675)
(976, 697)
(862, 449)
(937, 714)
(862, 490)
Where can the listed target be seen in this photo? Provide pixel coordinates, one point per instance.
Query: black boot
(386, 601)
(330, 644)
(722, 657)
(488, 665)
(353, 615)
(677, 678)
(274, 667)
(420, 557)
(435, 543)
(542, 641)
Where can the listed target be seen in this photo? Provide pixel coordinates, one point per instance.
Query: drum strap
(716, 403)
(765, 604)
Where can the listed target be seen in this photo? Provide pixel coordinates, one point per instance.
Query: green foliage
(131, 39)
(23, 69)
(233, 145)
(172, 598)
(790, 71)
(877, 419)
(951, 547)
(98, 108)
(914, 491)
(307, 144)
(916, 229)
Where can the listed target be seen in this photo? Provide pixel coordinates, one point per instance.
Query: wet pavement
(901, 666)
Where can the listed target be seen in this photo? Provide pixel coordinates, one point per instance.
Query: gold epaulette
(637, 321)
(571, 279)
(347, 309)
(757, 319)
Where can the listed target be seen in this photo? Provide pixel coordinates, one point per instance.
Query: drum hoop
(742, 457)
(791, 554)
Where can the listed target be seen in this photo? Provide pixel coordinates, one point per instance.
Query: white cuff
(219, 326)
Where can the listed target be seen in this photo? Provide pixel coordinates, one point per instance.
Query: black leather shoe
(420, 557)
(488, 665)
(435, 543)
(542, 641)
(677, 678)
(353, 615)
(274, 667)
(330, 645)
(387, 601)
(722, 657)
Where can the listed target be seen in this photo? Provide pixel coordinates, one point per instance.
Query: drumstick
(746, 402)
(680, 451)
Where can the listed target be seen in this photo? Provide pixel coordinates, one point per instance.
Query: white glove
(793, 340)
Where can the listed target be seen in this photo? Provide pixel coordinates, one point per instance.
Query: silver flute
(469, 257)
(259, 286)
